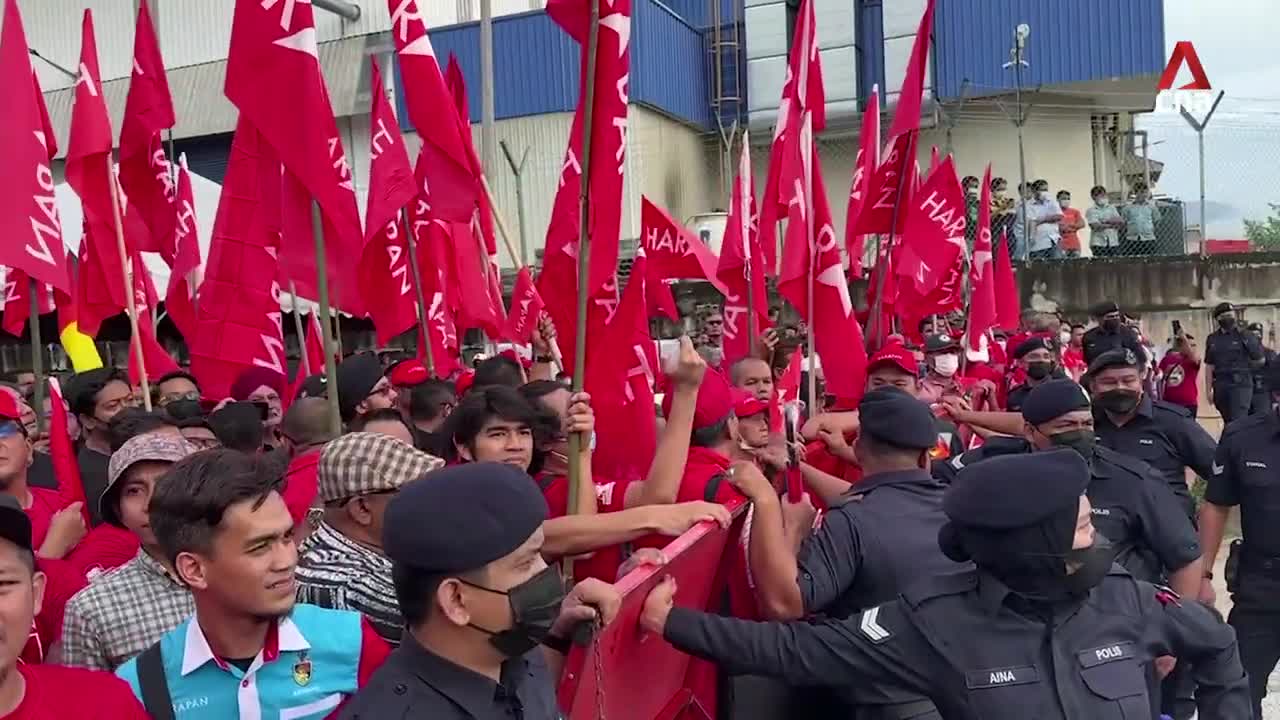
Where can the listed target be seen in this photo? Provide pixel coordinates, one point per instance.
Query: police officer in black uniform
(1110, 334)
(880, 536)
(1261, 393)
(1129, 421)
(1245, 473)
(1230, 356)
(479, 601)
(1132, 505)
(1039, 357)
(1045, 627)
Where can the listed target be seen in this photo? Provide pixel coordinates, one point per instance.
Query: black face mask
(1227, 323)
(184, 409)
(535, 605)
(1091, 565)
(1040, 369)
(1082, 441)
(1111, 324)
(1120, 402)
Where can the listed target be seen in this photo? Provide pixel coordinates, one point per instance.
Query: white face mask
(946, 365)
(1065, 337)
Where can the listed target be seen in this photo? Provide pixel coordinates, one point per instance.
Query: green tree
(1265, 234)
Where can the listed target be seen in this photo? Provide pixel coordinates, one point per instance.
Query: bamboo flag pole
(326, 329)
(297, 327)
(126, 268)
(806, 131)
(424, 330)
(37, 352)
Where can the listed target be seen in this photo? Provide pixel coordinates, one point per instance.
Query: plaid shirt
(122, 613)
(337, 573)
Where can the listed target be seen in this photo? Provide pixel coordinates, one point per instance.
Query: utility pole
(488, 146)
(1199, 126)
(1017, 62)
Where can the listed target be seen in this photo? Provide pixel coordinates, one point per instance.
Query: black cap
(1031, 344)
(1052, 399)
(1255, 327)
(313, 386)
(1222, 307)
(1105, 308)
(1013, 491)
(1120, 357)
(356, 377)
(462, 517)
(939, 342)
(894, 417)
(15, 526)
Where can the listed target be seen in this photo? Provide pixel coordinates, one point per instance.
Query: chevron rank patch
(869, 625)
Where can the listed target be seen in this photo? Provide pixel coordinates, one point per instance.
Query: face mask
(183, 409)
(1039, 369)
(1064, 204)
(971, 191)
(1111, 324)
(1101, 201)
(946, 365)
(1090, 565)
(1082, 441)
(535, 605)
(1120, 402)
(1043, 195)
(1227, 323)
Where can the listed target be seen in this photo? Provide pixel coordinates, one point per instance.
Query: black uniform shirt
(957, 640)
(1233, 354)
(1246, 472)
(1098, 340)
(1018, 395)
(1260, 372)
(1166, 437)
(880, 536)
(416, 683)
(93, 473)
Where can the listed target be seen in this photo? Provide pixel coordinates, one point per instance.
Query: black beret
(894, 417)
(356, 377)
(1222, 307)
(1031, 344)
(939, 342)
(313, 386)
(1013, 491)
(462, 517)
(1052, 399)
(1105, 308)
(1120, 357)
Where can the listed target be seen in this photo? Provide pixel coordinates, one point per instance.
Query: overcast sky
(1235, 41)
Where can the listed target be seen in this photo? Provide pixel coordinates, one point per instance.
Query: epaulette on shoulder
(1245, 423)
(953, 583)
(1180, 410)
(1126, 462)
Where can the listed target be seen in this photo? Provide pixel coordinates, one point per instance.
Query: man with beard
(1043, 627)
(250, 650)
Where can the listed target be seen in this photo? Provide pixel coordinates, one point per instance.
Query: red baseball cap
(897, 355)
(514, 356)
(464, 381)
(407, 373)
(747, 404)
(9, 407)
(716, 399)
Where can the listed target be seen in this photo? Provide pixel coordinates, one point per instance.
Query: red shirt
(301, 484)
(62, 581)
(1073, 362)
(106, 547)
(1180, 379)
(610, 497)
(701, 465)
(60, 693)
(44, 505)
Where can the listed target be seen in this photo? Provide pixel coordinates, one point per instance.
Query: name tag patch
(1001, 677)
(1105, 654)
(1146, 442)
(1256, 464)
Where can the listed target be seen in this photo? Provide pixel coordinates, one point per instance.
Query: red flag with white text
(863, 168)
(432, 241)
(812, 254)
(186, 272)
(526, 308)
(17, 300)
(674, 253)
(982, 293)
(801, 91)
(742, 261)
(935, 231)
(29, 220)
(144, 169)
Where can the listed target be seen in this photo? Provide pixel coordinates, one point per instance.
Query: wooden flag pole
(424, 330)
(126, 268)
(326, 329)
(37, 353)
(584, 262)
(297, 327)
(882, 263)
(814, 408)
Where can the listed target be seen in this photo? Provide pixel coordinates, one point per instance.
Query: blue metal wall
(1071, 41)
(536, 65)
(870, 18)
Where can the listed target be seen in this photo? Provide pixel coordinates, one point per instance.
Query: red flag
(741, 261)
(457, 84)
(158, 360)
(1006, 288)
(28, 212)
(906, 118)
(673, 253)
(813, 255)
(185, 273)
(315, 344)
(801, 91)
(385, 280)
(238, 325)
(446, 169)
(432, 242)
(273, 77)
(62, 452)
(863, 168)
(17, 301)
(558, 280)
(621, 385)
(144, 169)
(786, 391)
(526, 307)
(982, 294)
(934, 236)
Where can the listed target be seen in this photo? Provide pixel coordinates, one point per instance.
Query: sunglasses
(9, 428)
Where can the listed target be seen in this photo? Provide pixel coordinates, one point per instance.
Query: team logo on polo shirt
(302, 670)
